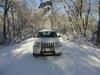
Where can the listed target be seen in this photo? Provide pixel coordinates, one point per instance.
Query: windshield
(47, 34)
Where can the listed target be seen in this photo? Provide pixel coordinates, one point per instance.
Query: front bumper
(47, 54)
(47, 51)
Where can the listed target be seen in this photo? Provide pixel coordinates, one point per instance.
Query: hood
(47, 40)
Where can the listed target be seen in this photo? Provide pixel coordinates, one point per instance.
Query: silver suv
(47, 43)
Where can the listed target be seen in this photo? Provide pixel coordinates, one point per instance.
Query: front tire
(35, 55)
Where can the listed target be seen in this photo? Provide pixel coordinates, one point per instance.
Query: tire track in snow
(9, 59)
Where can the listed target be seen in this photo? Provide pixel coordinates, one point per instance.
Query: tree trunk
(98, 29)
(4, 26)
(8, 27)
(12, 13)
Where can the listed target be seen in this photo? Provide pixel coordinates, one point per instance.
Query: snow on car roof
(45, 30)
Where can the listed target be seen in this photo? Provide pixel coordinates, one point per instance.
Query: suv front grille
(47, 45)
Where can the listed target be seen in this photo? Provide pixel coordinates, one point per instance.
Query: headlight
(37, 44)
(58, 44)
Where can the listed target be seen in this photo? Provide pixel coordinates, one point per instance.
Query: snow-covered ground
(75, 60)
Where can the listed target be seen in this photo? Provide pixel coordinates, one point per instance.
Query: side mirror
(58, 36)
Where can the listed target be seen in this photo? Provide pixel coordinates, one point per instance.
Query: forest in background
(78, 19)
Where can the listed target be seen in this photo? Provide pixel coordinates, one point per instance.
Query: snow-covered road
(75, 60)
